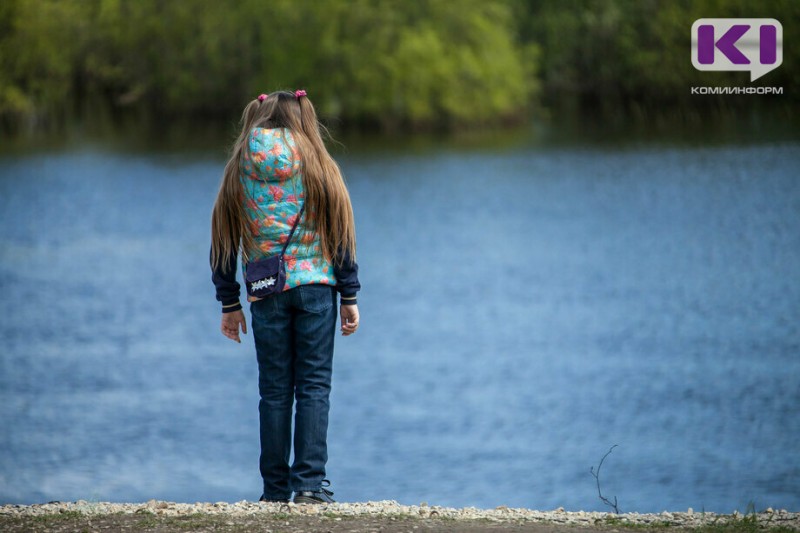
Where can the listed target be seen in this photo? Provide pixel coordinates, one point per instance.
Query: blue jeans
(294, 332)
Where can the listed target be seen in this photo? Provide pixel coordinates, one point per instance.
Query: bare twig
(597, 477)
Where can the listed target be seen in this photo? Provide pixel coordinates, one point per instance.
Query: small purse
(267, 276)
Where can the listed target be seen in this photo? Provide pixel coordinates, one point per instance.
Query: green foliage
(384, 62)
(38, 54)
(387, 63)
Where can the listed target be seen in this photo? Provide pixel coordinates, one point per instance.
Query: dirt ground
(275, 523)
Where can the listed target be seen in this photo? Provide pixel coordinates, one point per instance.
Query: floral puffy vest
(273, 194)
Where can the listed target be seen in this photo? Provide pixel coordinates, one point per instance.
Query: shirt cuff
(231, 307)
(348, 299)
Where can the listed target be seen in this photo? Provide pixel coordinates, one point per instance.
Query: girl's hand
(231, 323)
(349, 314)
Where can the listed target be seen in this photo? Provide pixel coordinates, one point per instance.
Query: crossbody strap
(294, 227)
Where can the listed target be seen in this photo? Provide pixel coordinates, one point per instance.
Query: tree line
(385, 64)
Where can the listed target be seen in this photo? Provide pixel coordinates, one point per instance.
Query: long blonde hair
(327, 201)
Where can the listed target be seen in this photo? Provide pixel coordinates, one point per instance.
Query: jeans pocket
(316, 298)
(257, 307)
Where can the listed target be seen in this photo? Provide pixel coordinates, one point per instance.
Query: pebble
(501, 513)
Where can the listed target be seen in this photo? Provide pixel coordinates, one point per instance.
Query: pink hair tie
(262, 97)
(299, 93)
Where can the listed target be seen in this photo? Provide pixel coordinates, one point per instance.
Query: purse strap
(294, 227)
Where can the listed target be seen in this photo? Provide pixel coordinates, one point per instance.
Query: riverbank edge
(390, 509)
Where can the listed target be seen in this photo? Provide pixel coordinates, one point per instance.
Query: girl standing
(283, 195)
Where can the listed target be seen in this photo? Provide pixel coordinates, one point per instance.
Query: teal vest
(272, 178)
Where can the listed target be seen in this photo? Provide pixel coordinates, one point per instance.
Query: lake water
(524, 309)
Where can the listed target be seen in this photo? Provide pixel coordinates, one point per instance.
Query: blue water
(524, 309)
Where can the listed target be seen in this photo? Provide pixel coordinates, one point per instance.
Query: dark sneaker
(323, 495)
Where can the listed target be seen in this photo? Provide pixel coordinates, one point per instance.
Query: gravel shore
(384, 516)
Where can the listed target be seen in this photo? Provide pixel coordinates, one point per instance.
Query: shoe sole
(306, 499)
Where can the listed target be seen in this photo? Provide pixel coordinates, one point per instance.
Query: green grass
(54, 518)
(746, 524)
(613, 521)
(44, 522)
(202, 521)
(147, 521)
